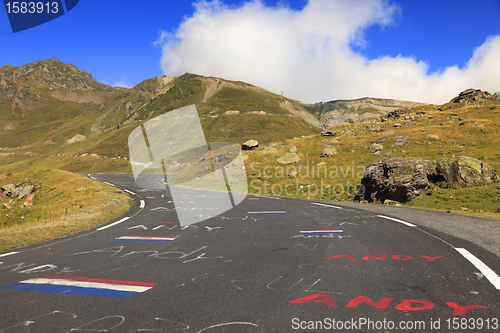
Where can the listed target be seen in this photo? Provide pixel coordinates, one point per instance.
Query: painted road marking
(109, 184)
(64, 284)
(161, 209)
(143, 203)
(326, 231)
(149, 197)
(145, 238)
(263, 196)
(320, 204)
(113, 224)
(400, 221)
(487, 272)
(270, 212)
(159, 222)
(8, 254)
(130, 192)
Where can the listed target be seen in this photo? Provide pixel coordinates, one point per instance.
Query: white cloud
(308, 55)
(122, 84)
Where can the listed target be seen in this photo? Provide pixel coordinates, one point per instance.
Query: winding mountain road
(267, 265)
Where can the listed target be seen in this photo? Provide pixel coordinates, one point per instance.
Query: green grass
(66, 203)
(468, 199)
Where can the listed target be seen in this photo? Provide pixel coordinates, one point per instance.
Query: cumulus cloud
(121, 84)
(308, 53)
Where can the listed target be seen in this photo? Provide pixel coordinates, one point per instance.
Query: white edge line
(109, 184)
(114, 223)
(129, 192)
(266, 197)
(7, 254)
(143, 203)
(400, 221)
(320, 204)
(487, 272)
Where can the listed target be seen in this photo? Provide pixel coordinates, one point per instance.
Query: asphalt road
(259, 267)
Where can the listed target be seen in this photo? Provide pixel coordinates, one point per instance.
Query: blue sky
(316, 50)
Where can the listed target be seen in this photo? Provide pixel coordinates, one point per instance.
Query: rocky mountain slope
(340, 111)
(431, 156)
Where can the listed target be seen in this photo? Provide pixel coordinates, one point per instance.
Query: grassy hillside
(49, 128)
(66, 203)
(468, 130)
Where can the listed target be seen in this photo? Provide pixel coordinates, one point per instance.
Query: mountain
(41, 97)
(53, 74)
(57, 114)
(340, 111)
(55, 111)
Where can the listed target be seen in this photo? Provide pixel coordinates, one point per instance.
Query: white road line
(143, 203)
(487, 272)
(7, 254)
(129, 192)
(93, 178)
(267, 197)
(114, 223)
(109, 184)
(320, 204)
(400, 221)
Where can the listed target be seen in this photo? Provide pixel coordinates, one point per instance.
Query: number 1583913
(472, 323)
(31, 7)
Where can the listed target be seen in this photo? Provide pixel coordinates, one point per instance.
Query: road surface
(267, 265)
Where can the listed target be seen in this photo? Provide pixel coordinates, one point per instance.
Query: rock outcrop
(465, 170)
(396, 178)
(328, 151)
(250, 145)
(19, 191)
(401, 140)
(289, 158)
(404, 178)
(473, 95)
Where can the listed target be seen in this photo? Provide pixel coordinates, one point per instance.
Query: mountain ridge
(49, 108)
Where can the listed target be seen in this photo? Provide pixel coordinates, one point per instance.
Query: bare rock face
(404, 178)
(396, 178)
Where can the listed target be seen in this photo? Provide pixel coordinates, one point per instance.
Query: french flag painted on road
(328, 231)
(270, 212)
(65, 284)
(145, 238)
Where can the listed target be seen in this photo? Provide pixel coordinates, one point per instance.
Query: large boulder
(396, 178)
(465, 170)
(404, 178)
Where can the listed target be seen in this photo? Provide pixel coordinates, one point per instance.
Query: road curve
(267, 265)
